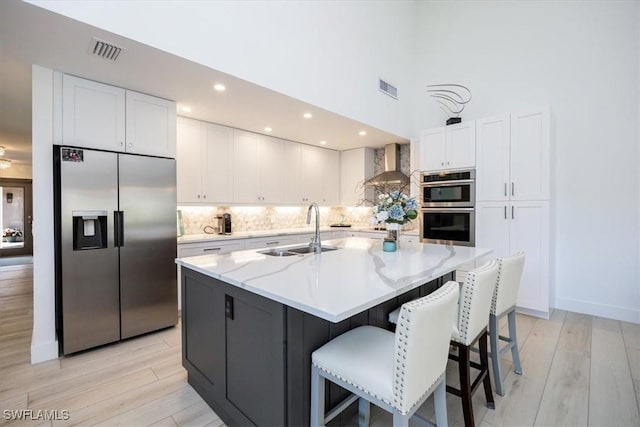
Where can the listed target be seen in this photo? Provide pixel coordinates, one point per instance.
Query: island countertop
(338, 284)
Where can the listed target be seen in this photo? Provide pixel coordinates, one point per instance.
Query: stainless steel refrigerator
(115, 246)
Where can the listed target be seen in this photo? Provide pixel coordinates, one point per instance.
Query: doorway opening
(15, 217)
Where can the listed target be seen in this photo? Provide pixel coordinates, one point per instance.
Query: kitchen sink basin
(300, 250)
(277, 252)
(308, 250)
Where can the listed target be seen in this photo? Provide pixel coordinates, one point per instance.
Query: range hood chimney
(391, 174)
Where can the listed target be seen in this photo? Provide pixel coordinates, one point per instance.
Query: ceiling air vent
(387, 88)
(104, 49)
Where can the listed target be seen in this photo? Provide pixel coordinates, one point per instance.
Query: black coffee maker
(224, 223)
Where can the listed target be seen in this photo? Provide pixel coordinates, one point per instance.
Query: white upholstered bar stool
(471, 327)
(397, 372)
(504, 303)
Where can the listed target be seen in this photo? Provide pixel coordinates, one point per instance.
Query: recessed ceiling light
(186, 109)
(1, 150)
(323, 142)
(362, 133)
(219, 87)
(268, 129)
(307, 115)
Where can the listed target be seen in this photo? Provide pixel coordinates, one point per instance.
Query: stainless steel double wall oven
(448, 212)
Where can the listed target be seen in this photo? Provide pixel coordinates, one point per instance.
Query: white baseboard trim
(600, 310)
(534, 313)
(43, 352)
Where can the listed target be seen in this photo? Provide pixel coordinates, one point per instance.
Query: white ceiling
(31, 35)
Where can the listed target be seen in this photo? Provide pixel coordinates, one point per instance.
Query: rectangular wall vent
(105, 49)
(388, 88)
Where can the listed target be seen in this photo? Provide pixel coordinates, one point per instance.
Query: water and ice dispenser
(89, 230)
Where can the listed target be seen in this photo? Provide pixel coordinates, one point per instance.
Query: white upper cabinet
(203, 158)
(217, 179)
(433, 150)
(257, 168)
(530, 153)
(150, 125)
(189, 161)
(356, 166)
(312, 174)
(96, 115)
(513, 157)
(93, 114)
(246, 167)
(272, 169)
(331, 178)
(449, 147)
(492, 167)
(292, 183)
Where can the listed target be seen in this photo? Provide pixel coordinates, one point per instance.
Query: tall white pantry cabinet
(512, 197)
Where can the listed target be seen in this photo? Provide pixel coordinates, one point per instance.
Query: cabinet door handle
(505, 189)
(442, 163)
(204, 197)
(513, 189)
(228, 306)
(505, 211)
(130, 145)
(275, 242)
(198, 196)
(211, 249)
(121, 143)
(513, 212)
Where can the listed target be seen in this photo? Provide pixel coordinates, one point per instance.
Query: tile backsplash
(195, 218)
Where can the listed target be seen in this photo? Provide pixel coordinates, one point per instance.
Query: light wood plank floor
(579, 370)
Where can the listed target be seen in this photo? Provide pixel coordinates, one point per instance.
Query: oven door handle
(447, 183)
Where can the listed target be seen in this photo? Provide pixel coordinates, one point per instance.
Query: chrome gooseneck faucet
(315, 243)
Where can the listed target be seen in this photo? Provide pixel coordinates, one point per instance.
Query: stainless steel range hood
(391, 174)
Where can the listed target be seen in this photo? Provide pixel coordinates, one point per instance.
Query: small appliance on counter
(223, 224)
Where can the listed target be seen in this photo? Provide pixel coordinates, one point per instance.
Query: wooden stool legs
(467, 387)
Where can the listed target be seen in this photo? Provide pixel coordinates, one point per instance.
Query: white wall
(329, 54)
(17, 171)
(44, 345)
(582, 59)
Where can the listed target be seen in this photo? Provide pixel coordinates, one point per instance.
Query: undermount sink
(307, 249)
(277, 252)
(301, 250)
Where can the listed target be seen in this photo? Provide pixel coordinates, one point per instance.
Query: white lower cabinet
(275, 241)
(509, 227)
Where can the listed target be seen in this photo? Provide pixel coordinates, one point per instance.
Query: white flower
(382, 216)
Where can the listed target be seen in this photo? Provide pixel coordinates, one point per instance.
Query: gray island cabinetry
(250, 321)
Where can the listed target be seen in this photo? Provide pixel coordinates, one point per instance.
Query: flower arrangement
(11, 234)
(394, 208)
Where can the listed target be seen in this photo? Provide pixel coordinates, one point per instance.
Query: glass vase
(393, 231)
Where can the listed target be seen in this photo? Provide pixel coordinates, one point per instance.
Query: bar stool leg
(364, 412)
(400, 420)
(484, 363)
(515, 354)
(464, 367)
(440, 403)
(494, 338)
(317, 398)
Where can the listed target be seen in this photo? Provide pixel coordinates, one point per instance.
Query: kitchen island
(250, 321)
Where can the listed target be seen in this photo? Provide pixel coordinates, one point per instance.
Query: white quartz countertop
(338, 284)
(197, 238)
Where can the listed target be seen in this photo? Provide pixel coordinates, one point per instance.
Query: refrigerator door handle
(118, 228)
